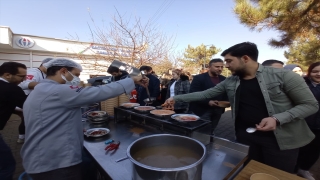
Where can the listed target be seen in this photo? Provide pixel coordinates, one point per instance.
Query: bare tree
(129, 40)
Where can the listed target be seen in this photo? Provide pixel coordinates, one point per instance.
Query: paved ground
(225, 130)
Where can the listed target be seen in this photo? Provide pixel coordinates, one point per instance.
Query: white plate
(151, 108)
(176, 117)
(96, 129)
(132, 105)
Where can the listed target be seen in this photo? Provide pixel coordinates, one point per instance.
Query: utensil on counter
(121, 159)
(251, 130)
(109, 141)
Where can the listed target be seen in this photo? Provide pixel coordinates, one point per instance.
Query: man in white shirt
(34, 76)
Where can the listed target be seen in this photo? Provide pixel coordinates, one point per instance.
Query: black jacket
(203, 82)
(122, 76)
(11, 96)
(182, 86)
(154, 89)
(314, 120)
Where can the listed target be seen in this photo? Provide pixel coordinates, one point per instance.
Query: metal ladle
(147, 89)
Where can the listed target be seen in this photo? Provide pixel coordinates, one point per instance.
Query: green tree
(304, 51)
(297, 21)
(198, 57)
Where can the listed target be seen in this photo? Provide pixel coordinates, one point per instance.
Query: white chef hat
(46, 60)
(63, 62)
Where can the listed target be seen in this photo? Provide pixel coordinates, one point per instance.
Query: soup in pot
(166, 156)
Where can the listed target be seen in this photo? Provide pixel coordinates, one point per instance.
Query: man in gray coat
(54, 132)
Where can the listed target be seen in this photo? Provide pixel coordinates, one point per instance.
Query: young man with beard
(206, 109)
(274, 101)
(117, 74)
(11, 96)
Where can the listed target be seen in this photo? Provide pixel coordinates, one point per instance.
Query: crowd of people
(278, 100)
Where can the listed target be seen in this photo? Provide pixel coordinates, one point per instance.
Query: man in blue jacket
(54, 132)
(206, 109)
(154, 86)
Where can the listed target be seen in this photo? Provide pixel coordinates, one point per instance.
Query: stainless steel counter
(223, 156)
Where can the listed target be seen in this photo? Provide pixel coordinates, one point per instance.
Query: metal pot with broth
(166, 157)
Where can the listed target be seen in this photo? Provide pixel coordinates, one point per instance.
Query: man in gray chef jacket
(54, 132)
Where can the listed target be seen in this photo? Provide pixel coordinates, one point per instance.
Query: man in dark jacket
(117, 74)
(154, 86)
(11, 96)
(206, 109)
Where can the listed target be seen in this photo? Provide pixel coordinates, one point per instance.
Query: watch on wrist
(278, 122)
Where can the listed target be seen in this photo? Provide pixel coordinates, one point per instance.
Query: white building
(31, 50)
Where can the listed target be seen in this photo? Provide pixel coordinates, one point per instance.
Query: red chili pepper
(113, 146)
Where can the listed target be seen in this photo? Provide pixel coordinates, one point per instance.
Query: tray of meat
(96, 132)
(185, 117)
(161, 112)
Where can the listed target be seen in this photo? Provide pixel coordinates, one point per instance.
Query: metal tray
(133, 105)
(176, 117)
(96, 129)
(144, 111)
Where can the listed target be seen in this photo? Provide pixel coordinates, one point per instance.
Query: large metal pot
(145, 172)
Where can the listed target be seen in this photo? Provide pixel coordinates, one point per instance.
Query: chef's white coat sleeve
(32, 76)
(73, 96)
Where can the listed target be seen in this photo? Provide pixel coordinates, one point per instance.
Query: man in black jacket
(206, 109)
(154, 86)
(116, 73)
(11, 96)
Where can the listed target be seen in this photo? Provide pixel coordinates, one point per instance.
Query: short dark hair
(312, 66)
(145, 68)
(269, 62)
(215, 60)
(11, 68)
(246, 48)
(113, 69)
(51, 71)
